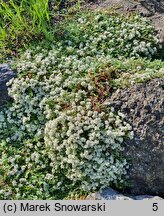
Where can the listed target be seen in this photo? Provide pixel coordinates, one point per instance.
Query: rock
(147, 197)
(143, 106)
(5, 75)
(145, 12)
(110, 194)
(156, 5)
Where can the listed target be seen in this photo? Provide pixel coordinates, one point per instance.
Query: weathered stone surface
(5, 75)
(147, 197)
(110, 194)
(143, 106)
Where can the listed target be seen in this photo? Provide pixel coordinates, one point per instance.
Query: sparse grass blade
(22, 20)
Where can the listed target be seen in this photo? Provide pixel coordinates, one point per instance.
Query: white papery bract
(87, 147)
(58, 134)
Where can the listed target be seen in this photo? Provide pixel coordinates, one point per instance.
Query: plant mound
(58, 136)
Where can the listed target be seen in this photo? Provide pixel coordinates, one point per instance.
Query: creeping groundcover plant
(57, 136)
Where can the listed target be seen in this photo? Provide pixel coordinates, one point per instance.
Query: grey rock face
(110, 194)
(5, 75)
(143, 106)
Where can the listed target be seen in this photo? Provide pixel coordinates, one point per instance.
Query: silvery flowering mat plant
(57, 136)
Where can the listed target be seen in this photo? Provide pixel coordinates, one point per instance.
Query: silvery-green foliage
(113, 34)
(57, 135)
(86, 146)
(59, 94)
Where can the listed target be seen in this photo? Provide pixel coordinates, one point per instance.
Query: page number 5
(155, 207)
